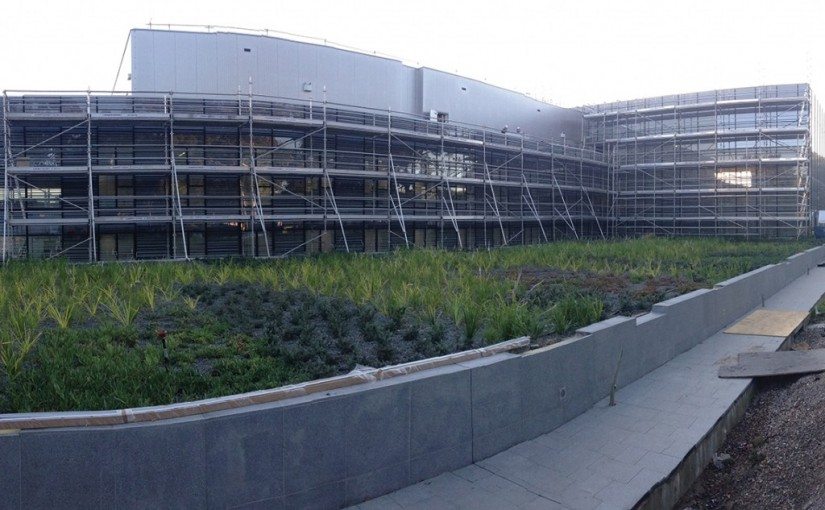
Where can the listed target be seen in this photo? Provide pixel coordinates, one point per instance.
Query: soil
(620, 293)
(778, 449)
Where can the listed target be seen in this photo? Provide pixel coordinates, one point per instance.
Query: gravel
(777, 452)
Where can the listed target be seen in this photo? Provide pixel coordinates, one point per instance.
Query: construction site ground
(777, 451)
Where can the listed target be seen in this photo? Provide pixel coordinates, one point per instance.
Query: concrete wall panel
(314, 450)
(337, 448)
(244, 458)
(497, 410)
(10, 471)
(541, 385)
(441, 428)
(157, 465)
(69, 468)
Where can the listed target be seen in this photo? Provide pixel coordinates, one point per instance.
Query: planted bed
(128, 335)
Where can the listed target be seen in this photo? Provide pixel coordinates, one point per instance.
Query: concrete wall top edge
(741, 277)
(602, 325)
(679, 299)
(652, 316)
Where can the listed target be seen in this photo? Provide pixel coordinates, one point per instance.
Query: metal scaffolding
(731, 162)
(163, 176)
(108, 176)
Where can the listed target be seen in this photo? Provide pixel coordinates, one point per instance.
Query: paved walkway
(609, 457)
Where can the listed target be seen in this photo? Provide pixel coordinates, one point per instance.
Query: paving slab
(610, 457)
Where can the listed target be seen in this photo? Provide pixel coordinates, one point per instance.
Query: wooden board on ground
(768, 364)
(781, 323)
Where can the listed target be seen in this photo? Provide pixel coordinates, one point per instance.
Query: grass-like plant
(58, 351)
(18, 335)
(122, 307)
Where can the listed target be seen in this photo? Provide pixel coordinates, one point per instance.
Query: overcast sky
(570, 53)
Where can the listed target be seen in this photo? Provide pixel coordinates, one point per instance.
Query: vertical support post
(329, 193)
(170, 198)
(582, 192)
(91, 207)
(495, 203)
(448, 203)
(177, 208)
(552, 191)
(758, 177)
(6, 163)
(257, 208)
(441, 183)
(716, 163)
(389, 169)
(636, 211)
(484, 185)
(324, 160)
(397, 207)
(531, 205)
(675, 167)
(523, 184)
(450, 206)
(569, 221)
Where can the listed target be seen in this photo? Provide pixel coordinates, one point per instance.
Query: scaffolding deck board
(781, 323)
(768, 364)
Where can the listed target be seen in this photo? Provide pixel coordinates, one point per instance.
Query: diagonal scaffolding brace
(177, 206)
(450, 206)
(494, 203)
(531, 205)
(328, 191)
(569, 220)
(397, 207)
(256, 188)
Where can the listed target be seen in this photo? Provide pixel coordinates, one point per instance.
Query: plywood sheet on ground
(782, 323)
(767, 364)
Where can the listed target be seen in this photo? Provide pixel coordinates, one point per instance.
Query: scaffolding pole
(177, 206)
(6, 162)
(760, 206)
(494, 203)
(451, 207)
(484, 188)
(569, 221)
(218, 166)
(523, 183)
(397, 207)
(328, 192)
(91, 208)
(531, 205)
(392, 182)
(802, 173)
(256, 196)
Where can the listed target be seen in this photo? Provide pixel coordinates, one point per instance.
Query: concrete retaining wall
(346, 445)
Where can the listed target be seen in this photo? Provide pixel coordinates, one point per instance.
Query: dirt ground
(778, 449)
(620, 293)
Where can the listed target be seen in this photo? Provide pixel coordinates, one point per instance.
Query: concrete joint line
(528, 489)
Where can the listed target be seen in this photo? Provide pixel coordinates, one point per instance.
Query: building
(738, 162)
(255, 146)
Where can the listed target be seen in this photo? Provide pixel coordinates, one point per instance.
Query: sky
(569, 52)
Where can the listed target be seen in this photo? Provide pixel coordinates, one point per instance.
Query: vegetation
(126, 335)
